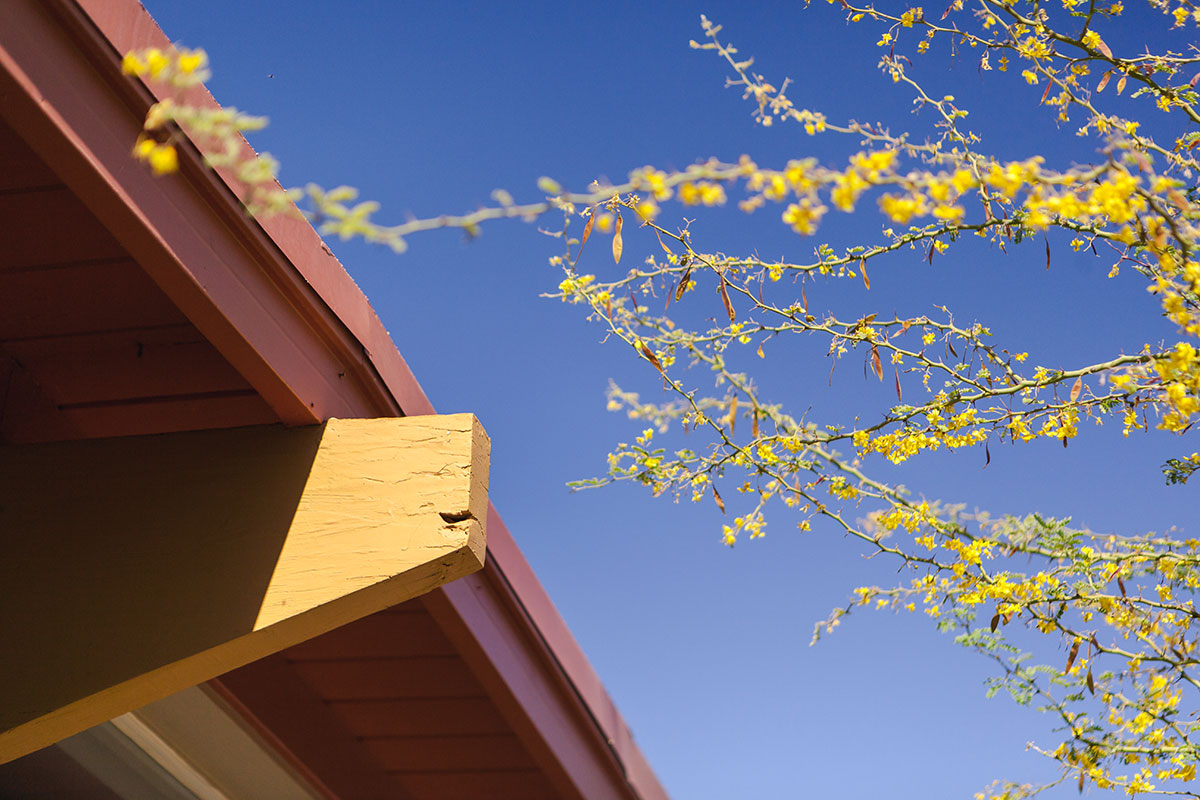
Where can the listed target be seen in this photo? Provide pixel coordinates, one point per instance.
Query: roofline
(307, 340)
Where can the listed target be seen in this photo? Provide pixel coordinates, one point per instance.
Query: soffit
(90, 346)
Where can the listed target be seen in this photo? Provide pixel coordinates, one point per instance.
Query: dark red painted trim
(574, 673)
(64, 94)
(126, 26)
(511, 635)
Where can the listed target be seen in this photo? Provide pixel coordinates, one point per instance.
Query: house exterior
(243, 555)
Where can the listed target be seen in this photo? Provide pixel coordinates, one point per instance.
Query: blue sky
(428, 107)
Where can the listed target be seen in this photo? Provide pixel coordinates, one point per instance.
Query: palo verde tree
(1120, 666)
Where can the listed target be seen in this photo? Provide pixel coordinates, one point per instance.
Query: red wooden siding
(400, 692)
(89, 345)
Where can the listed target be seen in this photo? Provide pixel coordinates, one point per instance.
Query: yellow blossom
(803, 217)
(190, 61)
(156, 62)
(846, 190)
(902, 209)
(132, 64)
(164, 159)
(647, 209)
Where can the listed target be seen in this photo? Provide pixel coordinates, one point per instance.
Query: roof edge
(128, 25)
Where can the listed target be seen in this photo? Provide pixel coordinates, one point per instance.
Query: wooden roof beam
(135, 567)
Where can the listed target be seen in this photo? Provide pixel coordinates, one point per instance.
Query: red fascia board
(128, 26)
(277, 303)
(506, 627)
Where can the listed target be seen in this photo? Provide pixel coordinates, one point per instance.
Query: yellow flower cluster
(803, 217)
(753, 523)
(840, 488)
(910, 518)
(1180, 376)
(651, 180)
(161, 157)
(1008, 179)
(573, 288)
(960, 430)
(175, 65)
(706, 193)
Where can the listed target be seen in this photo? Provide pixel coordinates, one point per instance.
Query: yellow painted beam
(133, 568)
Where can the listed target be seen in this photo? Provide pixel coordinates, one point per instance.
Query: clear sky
(428, 107)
